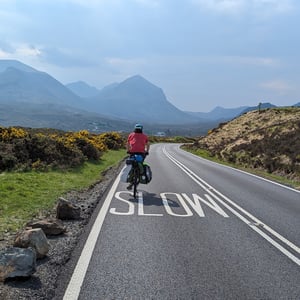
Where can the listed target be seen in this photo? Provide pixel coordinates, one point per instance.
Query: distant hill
(82, 89)
(262, 106)
(220, 113)
(29, 85)
(138, 100)
(59, 117)
(264, 140)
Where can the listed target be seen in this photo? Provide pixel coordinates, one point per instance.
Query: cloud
(66, 58)
(125, 67)
(256, 7)
(21, 51)
(251, 61)
(28, 50)
(225, 6)
(149, 3)
(278, 86)
(226, 59)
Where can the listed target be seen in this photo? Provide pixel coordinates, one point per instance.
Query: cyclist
(137, 143)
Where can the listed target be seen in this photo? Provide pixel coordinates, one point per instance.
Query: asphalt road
(199, 230)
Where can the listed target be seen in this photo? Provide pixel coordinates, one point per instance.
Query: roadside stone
(49, 226)
(17, 262)
(65, 210)
(45, 284)
(34, 238)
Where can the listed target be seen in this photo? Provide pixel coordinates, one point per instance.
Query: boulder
(65, 210)
(49, 226)
(34, 238)
(17, 262)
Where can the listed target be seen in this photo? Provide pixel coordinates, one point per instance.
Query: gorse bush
(22, 149)
(11, 133)
(112, 140)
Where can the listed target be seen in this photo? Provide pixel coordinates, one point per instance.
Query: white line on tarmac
(209, 189)
(73, 290)
(244, 172)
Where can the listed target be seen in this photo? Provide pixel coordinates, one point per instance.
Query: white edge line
(206, 186)
(266, 227)
(73, 290)
(241, 171)
(269, 239)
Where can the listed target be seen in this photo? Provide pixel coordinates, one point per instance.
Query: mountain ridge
(82, 89)
(34, 87)
(133, 100)
(138, 99)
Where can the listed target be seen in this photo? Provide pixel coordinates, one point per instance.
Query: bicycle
(136, 161)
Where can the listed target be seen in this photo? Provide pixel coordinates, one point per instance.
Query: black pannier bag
(146, 177)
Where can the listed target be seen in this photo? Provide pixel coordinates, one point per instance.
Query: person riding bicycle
(137, 143)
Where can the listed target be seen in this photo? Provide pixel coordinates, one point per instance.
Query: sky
(201, 53)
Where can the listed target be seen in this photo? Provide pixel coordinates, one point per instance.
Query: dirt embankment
(268, 140)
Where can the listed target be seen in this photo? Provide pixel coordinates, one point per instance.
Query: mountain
(31, 98)
(220, 113)
(110, 86)
(82, 89)
(37, 95)
(260, 106)
(9, 63)
(137, 99)
(20, 83)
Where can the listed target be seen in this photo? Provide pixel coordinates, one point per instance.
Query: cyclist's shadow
(151, 199)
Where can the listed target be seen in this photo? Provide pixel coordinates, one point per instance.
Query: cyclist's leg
(130, 178)
(136, 180)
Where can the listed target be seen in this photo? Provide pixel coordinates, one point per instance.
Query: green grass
(205, 154)
(25, 195)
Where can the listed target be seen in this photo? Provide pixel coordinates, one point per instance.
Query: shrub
(88, 149)
(11, 133)
(22, 149)
(8, 160)
(112, 140)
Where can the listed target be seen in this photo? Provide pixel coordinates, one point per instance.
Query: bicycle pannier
(146, 177)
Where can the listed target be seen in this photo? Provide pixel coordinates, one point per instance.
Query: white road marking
(165, 197)
(181, 200)
(141, 207)
(244, 172)
(130, 205)
(211, 203)
(73, 290)
(214, 193)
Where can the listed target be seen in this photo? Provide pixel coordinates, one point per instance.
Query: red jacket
(137, 142)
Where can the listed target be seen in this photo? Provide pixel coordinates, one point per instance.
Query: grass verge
(205, 154)
(25, 195)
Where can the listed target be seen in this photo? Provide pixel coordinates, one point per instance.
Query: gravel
(43, 283)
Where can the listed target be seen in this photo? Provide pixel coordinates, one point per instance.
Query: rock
(34, 238)
(65, 210)
(17, 262)
(49, 226)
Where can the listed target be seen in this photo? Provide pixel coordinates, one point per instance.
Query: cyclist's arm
(128, 146)
(147, 146)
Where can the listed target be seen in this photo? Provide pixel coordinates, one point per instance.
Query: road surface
(199, 230)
